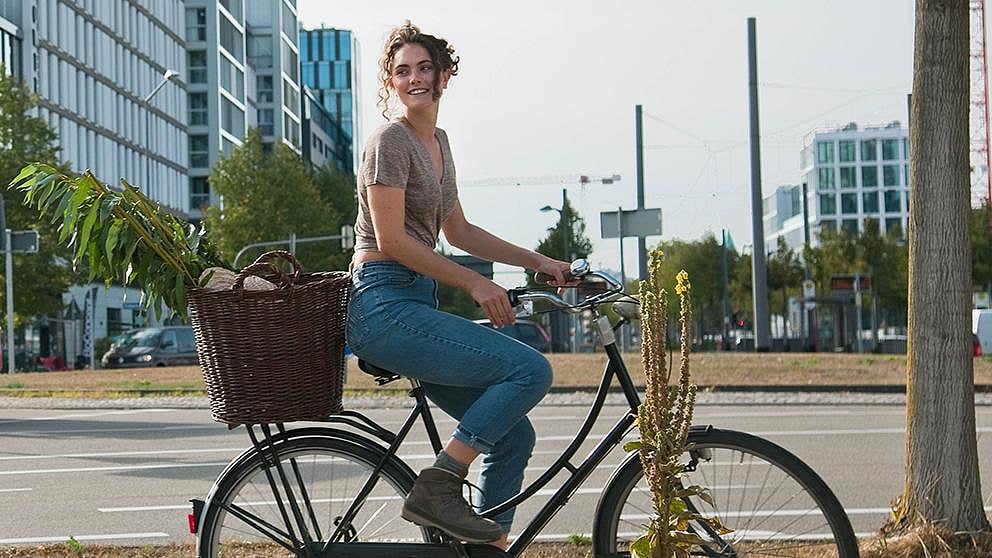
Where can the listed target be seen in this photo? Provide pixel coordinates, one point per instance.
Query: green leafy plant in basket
(663, 422)
(121, 235)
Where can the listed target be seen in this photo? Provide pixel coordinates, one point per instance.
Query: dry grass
(578, 370)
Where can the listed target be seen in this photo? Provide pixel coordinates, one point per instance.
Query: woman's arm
(387, 206)
(479, 242)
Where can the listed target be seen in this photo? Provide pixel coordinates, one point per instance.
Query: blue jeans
(484, 379)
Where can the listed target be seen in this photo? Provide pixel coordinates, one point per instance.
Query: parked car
(153, 346)
(525, 331)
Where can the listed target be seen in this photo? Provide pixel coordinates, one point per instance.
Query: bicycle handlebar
(579, 270)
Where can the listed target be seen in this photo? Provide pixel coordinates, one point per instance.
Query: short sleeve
(386, 159)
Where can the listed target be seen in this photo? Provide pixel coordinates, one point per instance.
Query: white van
(981, 326)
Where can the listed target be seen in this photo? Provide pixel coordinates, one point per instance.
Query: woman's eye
(426, 68)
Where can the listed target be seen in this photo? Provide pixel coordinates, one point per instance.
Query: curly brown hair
(442, 56)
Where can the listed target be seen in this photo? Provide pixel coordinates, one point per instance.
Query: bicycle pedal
(484, 551)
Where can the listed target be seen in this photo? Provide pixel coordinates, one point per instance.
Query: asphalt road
(125, 476)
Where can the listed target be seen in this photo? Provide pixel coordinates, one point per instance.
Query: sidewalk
(560, 398)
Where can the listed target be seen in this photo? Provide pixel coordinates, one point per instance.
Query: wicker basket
(273, 356)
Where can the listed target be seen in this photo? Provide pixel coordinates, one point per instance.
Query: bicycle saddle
(381, 375)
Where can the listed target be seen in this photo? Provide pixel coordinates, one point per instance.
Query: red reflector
(192, 523)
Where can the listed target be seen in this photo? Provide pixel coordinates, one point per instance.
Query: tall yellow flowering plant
(664, 420)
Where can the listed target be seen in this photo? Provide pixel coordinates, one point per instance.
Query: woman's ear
(445, 76)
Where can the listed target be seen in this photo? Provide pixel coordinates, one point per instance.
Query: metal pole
(642, 247)
(624, 332)
(93, 328)
(726, 293)
(807, 274)
(758, 268)
(9, 265)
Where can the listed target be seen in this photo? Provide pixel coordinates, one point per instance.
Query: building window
(260, 50)
(845, 151)
(849, 177)
(869, 150)
(905, 169)
(196, 24)
(291, 130)
(199, 192)
(199, 155)
(828, 204)
(869, 176)
(341, 80)
(233, 7)
(890, 175)
(869, 201)
(232, 118)
(230, 39)
(266, 124)
(197, 62)
(265, 89)
(290, 97)
(289, 23)
(893, 203)
(826, 176)
(828, 225)
(232, 79)
(344, 46)
(290, 62)
(890, 150)
(905, 149)
(198, 109)
(893, 227)
(115, 325)
(824, 152)
(849, 204)
(850, 225)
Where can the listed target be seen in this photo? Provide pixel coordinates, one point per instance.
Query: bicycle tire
(331, 470)
(775, 504)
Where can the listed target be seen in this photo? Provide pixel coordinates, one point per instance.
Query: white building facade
(243, 72)
(93, 64)
(851, 175)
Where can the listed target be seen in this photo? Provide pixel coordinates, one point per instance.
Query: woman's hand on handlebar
(554, 273)
(493, 301)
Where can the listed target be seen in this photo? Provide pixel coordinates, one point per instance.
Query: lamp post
(166, 77)
(566, 233)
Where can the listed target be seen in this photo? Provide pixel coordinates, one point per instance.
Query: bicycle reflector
(194, 518)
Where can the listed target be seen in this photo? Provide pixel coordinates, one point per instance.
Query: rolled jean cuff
(471, 440)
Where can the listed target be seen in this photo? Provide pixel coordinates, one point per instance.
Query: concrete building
(323, 141)
(243, 72)
(851, 175)
(329, 60)
(110, 78)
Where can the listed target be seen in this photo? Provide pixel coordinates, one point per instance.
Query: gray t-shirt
(395, 157)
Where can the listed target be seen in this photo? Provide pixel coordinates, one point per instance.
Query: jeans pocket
(356, 328)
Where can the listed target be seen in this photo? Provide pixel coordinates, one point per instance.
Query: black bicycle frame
(615, 367)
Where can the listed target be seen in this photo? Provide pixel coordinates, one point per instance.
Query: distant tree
(942, 478)
(454, 300)
(785, 275)
(338, 189)
(39, 279)
(574, 227)
(701, 259)
(981, 247)
(267, 197)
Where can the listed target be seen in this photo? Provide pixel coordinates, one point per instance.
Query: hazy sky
(548, 89)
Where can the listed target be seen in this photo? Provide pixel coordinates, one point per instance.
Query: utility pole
(642, 245)
(758, 268)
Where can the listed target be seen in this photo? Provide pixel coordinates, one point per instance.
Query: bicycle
(336, 490)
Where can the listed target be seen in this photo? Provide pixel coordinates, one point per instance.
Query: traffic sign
(634, 222)
(25, 242)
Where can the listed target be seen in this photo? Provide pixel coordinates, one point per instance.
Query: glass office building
(852, 175)
(95, 66)
(329, 62)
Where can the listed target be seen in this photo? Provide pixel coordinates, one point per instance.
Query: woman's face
(413, 76)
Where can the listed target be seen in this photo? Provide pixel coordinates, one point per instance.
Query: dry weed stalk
(664, 420)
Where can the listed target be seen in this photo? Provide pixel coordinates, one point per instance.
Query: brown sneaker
(436, 501)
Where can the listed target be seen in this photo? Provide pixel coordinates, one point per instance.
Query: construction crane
(560, 180)
(981, 157)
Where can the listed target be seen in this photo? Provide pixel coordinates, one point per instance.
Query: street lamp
(166, 77)
(566, 224)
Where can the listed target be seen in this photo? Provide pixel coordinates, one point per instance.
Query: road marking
(16, 489)
(116, 468)
(101, 537)
(89, 415)
(120, 454)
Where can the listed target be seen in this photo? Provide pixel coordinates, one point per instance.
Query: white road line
(120, 454)
(90, 415)
(100, 537)
(114, 468)
(2, 490)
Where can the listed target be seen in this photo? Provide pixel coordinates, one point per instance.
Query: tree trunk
(942, 479)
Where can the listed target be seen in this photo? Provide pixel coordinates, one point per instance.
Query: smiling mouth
(416, 92)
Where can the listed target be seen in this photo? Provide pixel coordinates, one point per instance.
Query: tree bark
(942, 478)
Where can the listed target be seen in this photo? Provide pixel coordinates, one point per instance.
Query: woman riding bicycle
(407, 194)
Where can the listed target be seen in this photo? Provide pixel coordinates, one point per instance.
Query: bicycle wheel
(774, 503)
(243, 517)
